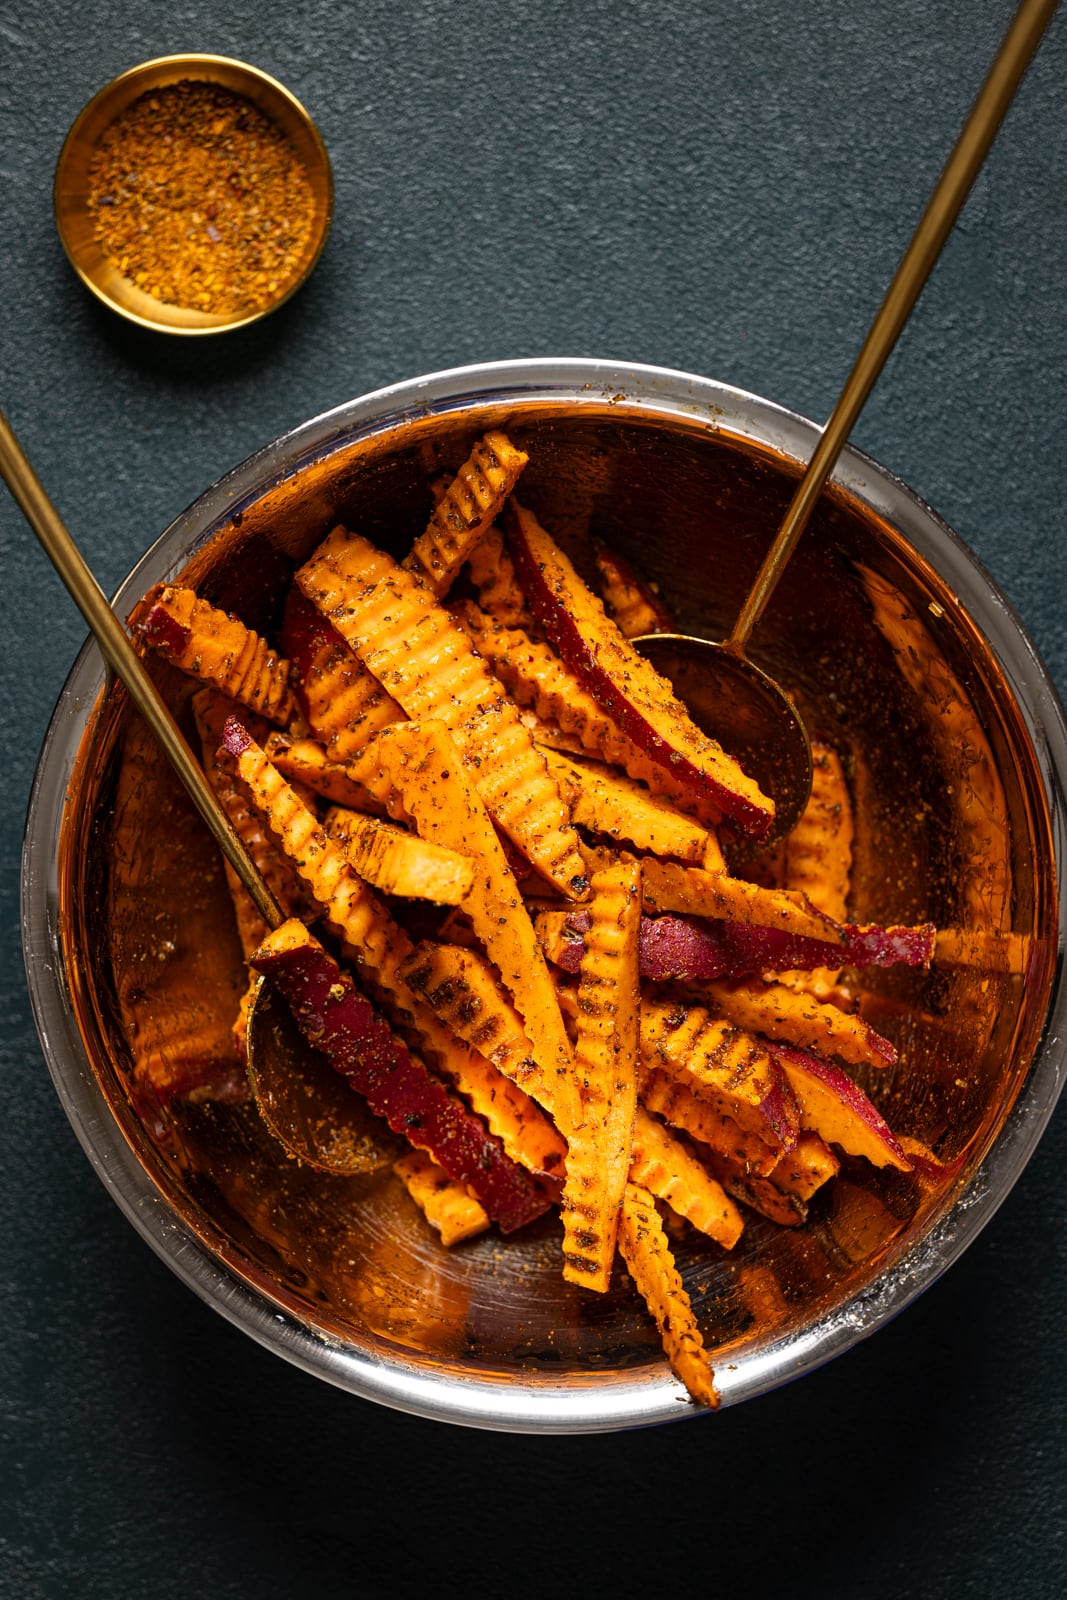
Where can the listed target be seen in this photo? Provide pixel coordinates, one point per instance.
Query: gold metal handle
(120, 655)
(953, 186)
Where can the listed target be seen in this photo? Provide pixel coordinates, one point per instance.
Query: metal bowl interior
(902, 653)
(75, 223)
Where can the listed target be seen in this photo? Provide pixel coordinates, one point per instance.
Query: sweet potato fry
(412, 644)
(400, 863)
(447, 1205)
(341, 1023)
(644, 1248)
(633, 605)
(694, 892)
(493, 575)
(463, 989)
(638, 699)
(604, 802)
(781, 1013)
(663, 1165)
(465, 510)
(538, 680)
(344, 704)
(215, 648)
(306, 761)
(721, 1064)
(423, 763)
(670, 1099)
(605, 1053)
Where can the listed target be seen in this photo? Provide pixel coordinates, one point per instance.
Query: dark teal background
(724, 188)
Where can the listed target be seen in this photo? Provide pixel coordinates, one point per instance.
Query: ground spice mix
(200, 199)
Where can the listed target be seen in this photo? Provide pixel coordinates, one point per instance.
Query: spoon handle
(1020, 42)
(120, 655)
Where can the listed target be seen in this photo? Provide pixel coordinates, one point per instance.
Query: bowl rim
(539, 1407)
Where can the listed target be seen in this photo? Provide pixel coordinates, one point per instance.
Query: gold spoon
(734, 701)
(310, 1110)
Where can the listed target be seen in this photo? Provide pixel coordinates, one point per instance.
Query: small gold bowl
(75, 222)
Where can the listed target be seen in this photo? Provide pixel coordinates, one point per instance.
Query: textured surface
(723, 188)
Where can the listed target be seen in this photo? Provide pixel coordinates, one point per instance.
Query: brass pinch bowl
(75, 224)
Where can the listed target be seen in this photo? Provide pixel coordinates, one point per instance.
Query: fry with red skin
(643, 1246)
(410, 643)
(640, 701)
(837, 1109)
(465, 510)
(693, 892)
(448, 1206)
(605, 1057)
(782, 1194)
(632, 603)
(539, 681)
(336, 1019)
(216, 648)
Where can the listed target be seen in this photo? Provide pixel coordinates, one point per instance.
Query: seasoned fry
(306, 761)
(215, 648)
(423, 763)
(463, 989)
(493, 575)
(633, 605)
(401, 863)
(605, 803)
(466, 510)
(644, 1248)
(343, 702)
(412, 644)
(666, 1168)
(694, 892)
(782, 1013)
(447, 1205)
(605, 1055)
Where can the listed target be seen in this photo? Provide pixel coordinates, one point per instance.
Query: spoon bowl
(746, 711)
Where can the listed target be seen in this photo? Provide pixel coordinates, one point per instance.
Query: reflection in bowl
(901, 654)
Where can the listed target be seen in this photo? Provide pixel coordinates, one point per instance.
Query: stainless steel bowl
(901, 648)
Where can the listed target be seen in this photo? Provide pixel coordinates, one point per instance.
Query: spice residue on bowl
(201, 200)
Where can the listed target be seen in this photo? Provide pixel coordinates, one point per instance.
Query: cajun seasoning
(201, 200)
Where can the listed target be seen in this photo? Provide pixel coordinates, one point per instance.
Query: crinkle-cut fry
(640, 701)
(400, 863)
(817, 858)
(492, 573)
(605, 1055)
(678, 1105)
(305, 760)
(644, 1248)
(391, 620)
(210, 711)
(377, 946)
(691, 891)
(345, 705)
(632, 603)
(423, 763)
(782, 1013)
(532, 672)
(466, 510)
(448, 1206)
(722, 1064)
(338, 1020)
(463, 989)
(663, 1165)
(604, 802)
(217, 648)
(803, 1170)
